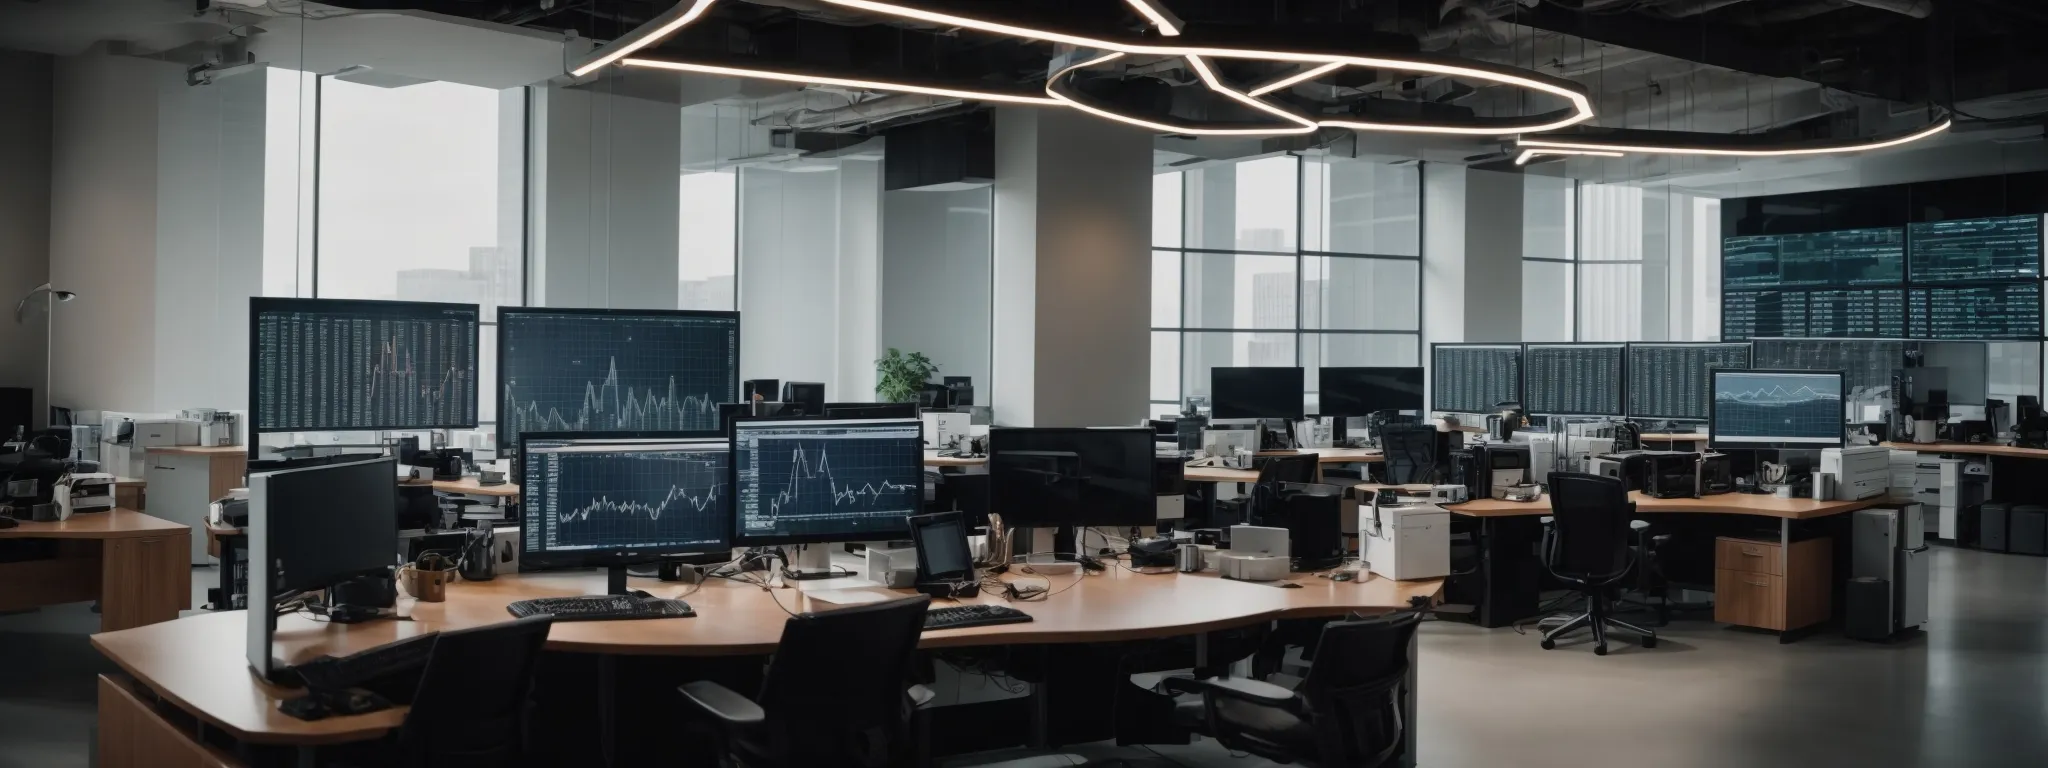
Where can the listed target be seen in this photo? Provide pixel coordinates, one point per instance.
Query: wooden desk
(1675, 437)
(197, 663)
(1973, 449)
(1220, 475)
(1719, 504)
(468, 486)
(933, 459)
(1323, 456)
(135, 565)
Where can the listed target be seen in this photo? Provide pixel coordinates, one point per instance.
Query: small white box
(942, 428)
(1258, 540)
(896, 568)
(1409, 541)
(1242, 567)
(164, 433)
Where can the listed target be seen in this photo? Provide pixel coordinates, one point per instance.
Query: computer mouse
(642, 594)
(1345, 576)
(1288, 585)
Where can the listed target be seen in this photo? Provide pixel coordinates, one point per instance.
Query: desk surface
(1979, 449)
(1677, 437)
(1723, 504)
(111, 524)
(198, 663)
(199, 450)
(933, 459)
(468, 486)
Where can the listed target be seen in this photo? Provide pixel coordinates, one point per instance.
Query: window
(1283, 261)
(709, 241)
(1548, 252)
(421, 197)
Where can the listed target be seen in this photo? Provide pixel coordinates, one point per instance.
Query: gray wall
(605, 196)
(25, 115)
(808, 252)
(937, 249)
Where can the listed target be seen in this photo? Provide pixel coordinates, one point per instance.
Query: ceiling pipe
(1918, 9)
(1684, 8)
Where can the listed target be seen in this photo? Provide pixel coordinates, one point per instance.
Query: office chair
(834, 693)
(469, 710)
(1413, 453)
(1274, 471)
(1347, 712)
(1589, 548)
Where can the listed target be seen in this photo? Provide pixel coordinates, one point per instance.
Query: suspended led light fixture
(1625, 141)
(1059, 91)
(1532, 153)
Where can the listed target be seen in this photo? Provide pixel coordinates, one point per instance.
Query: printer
(1403, 541)
(1482, 468)
(1860, 473)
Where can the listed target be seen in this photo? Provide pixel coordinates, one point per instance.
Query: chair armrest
(920, 695)
(1240, 688)
(720, 702)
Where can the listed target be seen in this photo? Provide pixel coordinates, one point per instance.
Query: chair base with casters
(1598, 617)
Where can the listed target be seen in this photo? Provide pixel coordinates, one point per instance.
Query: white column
(935, 278)
(605, 199)
(1072, 269)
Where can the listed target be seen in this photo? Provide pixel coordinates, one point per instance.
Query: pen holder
(427, 580)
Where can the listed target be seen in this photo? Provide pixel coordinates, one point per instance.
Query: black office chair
(1413, 452)
(1589, 548)
(469, 709)
(834, 693)
(1347, 713)
(1274, 471)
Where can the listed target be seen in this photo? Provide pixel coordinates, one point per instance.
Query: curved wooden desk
(1972, 449)
(137, 566)
(197, 663)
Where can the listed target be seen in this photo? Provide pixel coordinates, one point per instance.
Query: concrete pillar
(25, 113)
(1072, 269)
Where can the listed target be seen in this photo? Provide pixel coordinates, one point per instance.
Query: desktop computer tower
(1484, 468)
(1889, 544)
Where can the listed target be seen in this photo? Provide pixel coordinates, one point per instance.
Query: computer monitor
(313, 528)
(618, 500)
(942, 552)
(1474, 378)
(1257, 393)
(806, 397)
(960, 389)
(1574, 379)
(823, 480)
(599, 370)
(1669, 380)
(871, 410)
(1776, 409)
(1072, 476)
(765, 389)
(320, 365)
(1347, 392)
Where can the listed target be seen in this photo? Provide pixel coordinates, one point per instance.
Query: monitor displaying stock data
(1842, 259)
(593, 502)
(579, 370)
(1474, 378)
(1573, 379)
(1997, 311)
(1776, 409)
(806, 481)
(1999, 248)
(1669, 381)
(334, 364)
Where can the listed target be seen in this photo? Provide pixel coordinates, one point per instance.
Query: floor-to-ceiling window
(1549, 251)
(707, 256)
(1283, 260)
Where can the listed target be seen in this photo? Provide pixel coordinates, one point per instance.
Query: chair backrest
(1353, 691)
(1589, 539)
(1412, 452)
(1275, 471)
(834, 693)
(470, 707)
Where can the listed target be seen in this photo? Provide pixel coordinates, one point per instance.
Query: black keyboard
(602, 608)
(958, 616)
(360, 669)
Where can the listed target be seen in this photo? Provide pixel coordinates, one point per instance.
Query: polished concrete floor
(1971, 691)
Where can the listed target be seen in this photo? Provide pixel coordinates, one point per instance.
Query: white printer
(1405, 541)
(1860, 473)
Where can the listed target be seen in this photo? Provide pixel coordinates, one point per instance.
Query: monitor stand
(615, 580)
(805, 562)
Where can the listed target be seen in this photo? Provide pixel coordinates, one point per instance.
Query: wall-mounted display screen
(1999, 311)
(1845, 259)
(1999, 248)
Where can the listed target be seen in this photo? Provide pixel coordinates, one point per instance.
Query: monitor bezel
(1714, 406)
(504, 440)
(260, 304)
(1301, 392)
(739, 539)
(600, 558)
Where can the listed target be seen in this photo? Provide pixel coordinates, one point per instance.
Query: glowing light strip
(791, 77)
(1527, 154)
(1168, 25)
(1056, 77)
(1938, 127)
(1302, 76)
(1582, 107)
(623, 47)
(1216, 84)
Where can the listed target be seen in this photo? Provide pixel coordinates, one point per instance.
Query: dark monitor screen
(1072, 477)
(941, 546)
(871, 410)
(1365, 391)
(819, 480)
(584, 370)
(326, 524)
(1776, 409)
(808, 397)
(619, 500)
(1257, 393)
(334, 364)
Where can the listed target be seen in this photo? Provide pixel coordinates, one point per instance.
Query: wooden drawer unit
(1755, 587)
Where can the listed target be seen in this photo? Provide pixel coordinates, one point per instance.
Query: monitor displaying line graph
(798, 481)
(579, 370)
(342, 364)
(1776, 409)
(590, 502)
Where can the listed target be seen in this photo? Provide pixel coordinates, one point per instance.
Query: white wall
(860, 280)
(604, 200)
(25, 121)
(808, 244)
(936, 256)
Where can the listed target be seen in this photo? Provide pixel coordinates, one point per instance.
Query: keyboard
(360, 669)
(602, 608)
(960, 616)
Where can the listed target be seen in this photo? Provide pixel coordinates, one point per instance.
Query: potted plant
(900, 377)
